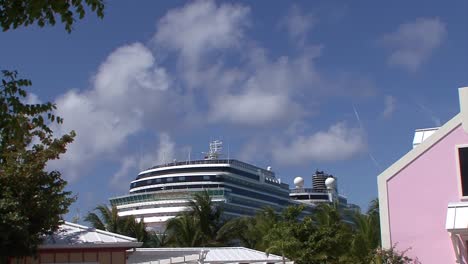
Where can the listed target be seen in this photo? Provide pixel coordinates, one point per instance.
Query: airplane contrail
(371, 156)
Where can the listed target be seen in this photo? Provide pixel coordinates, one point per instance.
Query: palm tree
(199, 226)
(136, 228)
(208, 216)
(366, 237)
(183, 231)
(156, 240)
(108, 219)
(281, 240)
(250, 231)
(241, 230)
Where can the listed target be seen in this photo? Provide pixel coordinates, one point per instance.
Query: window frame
(459, 173)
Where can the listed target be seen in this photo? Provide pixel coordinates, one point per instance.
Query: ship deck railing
(163, 196)
(308, 190)
(216, 161)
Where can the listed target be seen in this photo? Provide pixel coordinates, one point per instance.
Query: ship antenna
(215, 150)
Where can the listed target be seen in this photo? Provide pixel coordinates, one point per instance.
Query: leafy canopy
(199, 226)
(32, 199)
(16, 13)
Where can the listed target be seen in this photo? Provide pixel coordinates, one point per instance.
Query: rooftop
(72, 235)
(209, 255)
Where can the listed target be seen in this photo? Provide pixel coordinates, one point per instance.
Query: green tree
(156, 240)
(32, 199)
(199, 226)
(184, 231)
(282, 241)
(16, 13)
(366, 235)
(392, 256)
(323, 235)
(108, 219)
(208, 216)
(249, 231)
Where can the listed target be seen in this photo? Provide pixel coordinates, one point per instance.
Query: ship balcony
(307, 190)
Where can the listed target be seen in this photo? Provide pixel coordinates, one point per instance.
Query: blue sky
(299, 86)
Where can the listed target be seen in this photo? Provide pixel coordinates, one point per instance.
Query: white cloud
(132, 93)
(413, 43)
(120, 178)
(166, 149)
(201, 26)
(131, 165)
(251, 108)
(389, 105)
(269, 91)
(340, 142)
(112, 109)
(298, 25)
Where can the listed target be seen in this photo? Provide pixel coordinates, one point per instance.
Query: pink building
(424, 195)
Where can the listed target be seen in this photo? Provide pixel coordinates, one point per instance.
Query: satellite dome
(330, 183)
(299, 182)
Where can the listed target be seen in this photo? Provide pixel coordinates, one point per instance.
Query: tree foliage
(316, 238)
(184, 231)
(32, 199)
(331, 235)
(107, 218)
(16, 13)
(250, 232)
(199, 226)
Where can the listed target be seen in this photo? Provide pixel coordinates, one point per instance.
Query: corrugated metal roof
(213, 255)
(74, 235)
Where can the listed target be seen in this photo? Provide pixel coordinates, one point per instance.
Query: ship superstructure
(161, 192)
(324, 190)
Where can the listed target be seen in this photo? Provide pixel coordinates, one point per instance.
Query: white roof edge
(426, 129)
(186, 248)
(95, 245)
(207, 249)
(404, 161)
(131, 239)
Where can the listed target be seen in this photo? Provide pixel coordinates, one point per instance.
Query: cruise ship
(162, 192)
(324, 190)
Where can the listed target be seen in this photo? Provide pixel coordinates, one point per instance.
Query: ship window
(182, 178)
(169, 179)
(206, 177)
(463, 158)
(158, 180)
(149, 182)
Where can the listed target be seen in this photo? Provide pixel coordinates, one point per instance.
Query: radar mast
(215, 150)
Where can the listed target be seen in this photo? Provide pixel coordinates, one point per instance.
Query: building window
(206, 177)
(182, 178)
(169, 179)
(463, 158)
